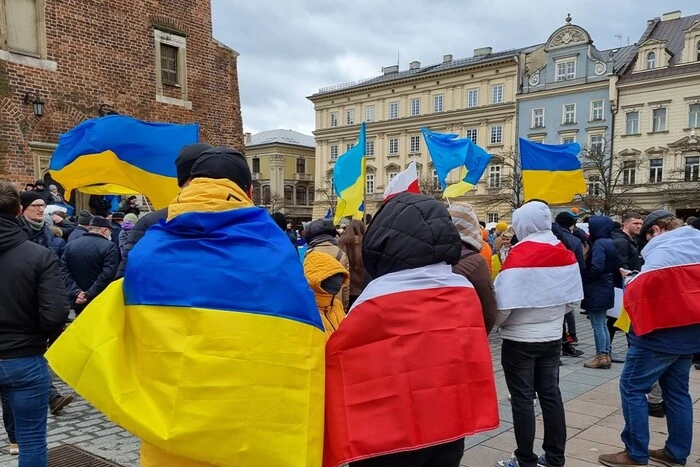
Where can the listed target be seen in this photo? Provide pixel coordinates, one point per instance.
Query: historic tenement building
(62, 62)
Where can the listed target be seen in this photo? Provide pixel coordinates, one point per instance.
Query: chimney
(414, 65)
(482, 52)
(248, 137)
(447, 58)
(671, 15)
(387, 70)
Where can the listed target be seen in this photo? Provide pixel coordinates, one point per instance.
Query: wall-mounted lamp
(106, 109)
(34, 99)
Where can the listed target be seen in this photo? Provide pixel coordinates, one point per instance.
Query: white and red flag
(403, 181)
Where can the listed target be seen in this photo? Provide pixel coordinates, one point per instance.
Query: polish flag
(538, 273)
(666, 294)
(403, 181)
(409, 367)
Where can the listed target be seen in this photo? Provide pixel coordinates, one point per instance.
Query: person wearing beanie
(84, 218)
(501, 227)
(56, 197)
(61, 221)
(500, 255)
(322, 236)
(127, 226)
(281, 221)
(45, 194)
(32, 219)
(471, 264)
(183, 166)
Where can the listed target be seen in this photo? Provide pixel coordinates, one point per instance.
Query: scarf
(36, 226)
(323, 238)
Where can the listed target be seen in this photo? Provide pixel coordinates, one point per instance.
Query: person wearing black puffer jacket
(598, 290)
(34, 309)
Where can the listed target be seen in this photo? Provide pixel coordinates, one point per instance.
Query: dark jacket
(78, 232)
(628, 255)
(137, 233)
(43, 237)
(46, 196)
(32, 296)
(598, 291)
(88, 265)
(67, 228)
(473, 266)
(571, 242)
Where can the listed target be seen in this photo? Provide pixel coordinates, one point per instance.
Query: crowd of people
(52, 264)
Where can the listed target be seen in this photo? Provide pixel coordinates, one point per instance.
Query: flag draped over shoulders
(212, 347)
(409, 367)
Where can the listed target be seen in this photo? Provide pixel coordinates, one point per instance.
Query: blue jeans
(25, 382)
(601, 335)
(8, 419)
(643, 367)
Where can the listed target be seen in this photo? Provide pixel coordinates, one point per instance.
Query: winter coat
(43, 237)
(571, 242)
(89, 264)
(67, 228)
(327, 277)
(34, 306)
(487, 253)
(598, 290)
(628, 255)
(473, 266)
(78, 232)
(137, 233)
(334, 250)
(58, 245)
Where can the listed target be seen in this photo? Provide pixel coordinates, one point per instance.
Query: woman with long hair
(351, 243)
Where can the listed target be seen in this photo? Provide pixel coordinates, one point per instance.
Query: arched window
(651, 60)
(266, 195)
(301, 196)
(288, 194)
(312, 194)
(256, 194)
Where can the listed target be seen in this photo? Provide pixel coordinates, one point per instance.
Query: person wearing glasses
(32, 219)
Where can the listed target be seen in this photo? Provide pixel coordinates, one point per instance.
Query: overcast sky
(291, 48)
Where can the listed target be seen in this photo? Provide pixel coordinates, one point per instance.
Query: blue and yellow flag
(449, 151)
(551, 172)
(211, 348)
(117, 154)
(349, 179)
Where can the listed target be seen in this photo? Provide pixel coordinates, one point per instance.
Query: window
(632, 123)
(495, 176)
(301, 165)
(256, 195)
(393, 146)
(569, 113)
(651, 60)
(692, 169)
(301, 196)
(22, 33)
(391, 175)
(288, 194)
(168, 65)
(492, 216)
(568, 139)
(334, 119)
(369, 113)
(415, 143)
(350, 117)
(597, 111)
(497, 94)
(171, 67)
(656, 170)
(415, 107)
(311, 195)
(266, 195)
(369, 148)
(472, 134)
(694, 117)
(658, 119)
(393, 110)
(437, 100)
(629, 172)
(537, 118)
(256, 165)
(436, 179)
(594, 186)
(334, 152)
(596, 146)
(349, 146)
(370, 184)
(566, 69)
(497, 134)
(473, 98)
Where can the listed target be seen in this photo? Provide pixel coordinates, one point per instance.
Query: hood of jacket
(318, 267)
(11, 234)
(599, 227)
(410, 231)
(531, 218)
(319, 227)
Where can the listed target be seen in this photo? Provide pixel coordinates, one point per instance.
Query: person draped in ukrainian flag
(211, 349)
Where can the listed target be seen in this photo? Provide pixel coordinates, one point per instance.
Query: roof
(459, 63)
(620, 55)
(280, 136)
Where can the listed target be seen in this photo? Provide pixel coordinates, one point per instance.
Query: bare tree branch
(507, 187)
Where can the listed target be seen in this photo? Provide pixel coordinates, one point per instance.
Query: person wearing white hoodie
(539, 279)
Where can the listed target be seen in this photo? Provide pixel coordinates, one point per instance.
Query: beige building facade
(282, 163)
(473, 97)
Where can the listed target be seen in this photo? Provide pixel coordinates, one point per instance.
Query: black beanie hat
(696, 223)
(565, 219)
(188, 156)
(84, 218)
(223, 163)
(280, 219)
(28, 197)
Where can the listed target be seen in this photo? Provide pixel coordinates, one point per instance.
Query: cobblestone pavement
(592, 401)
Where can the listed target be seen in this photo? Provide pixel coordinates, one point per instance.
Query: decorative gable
(567, 35)
(652, 55)
(691, 49)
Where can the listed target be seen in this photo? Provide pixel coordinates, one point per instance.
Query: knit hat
(501, 226)
(566, 219)
(28, 197)
(39, 182)
(652, 219)
(53, 187)
(84, 218)
(188, 156)
(696, 223)
(224, 163)
(280, 219)
(59, 213)
(131, 217)
(99, 221)
(117, 216)
(464, 218)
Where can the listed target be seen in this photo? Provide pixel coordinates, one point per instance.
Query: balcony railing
(256, 176)
(303, 177)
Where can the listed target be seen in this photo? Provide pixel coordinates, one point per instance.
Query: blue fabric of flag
(448, 152)
(549, 157)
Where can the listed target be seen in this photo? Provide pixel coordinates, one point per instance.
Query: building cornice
(563, 90)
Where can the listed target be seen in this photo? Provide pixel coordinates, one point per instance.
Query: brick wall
(105, 53)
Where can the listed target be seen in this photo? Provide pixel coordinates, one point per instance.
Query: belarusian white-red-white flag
(403, 181)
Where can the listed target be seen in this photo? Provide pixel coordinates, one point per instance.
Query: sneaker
(656, 410)
(542, 461)
(617, 358)
(512, 462)
(571, 339)
(619, 459)
(58, 403)
(661, 456)
(14, 449)
(569, 351)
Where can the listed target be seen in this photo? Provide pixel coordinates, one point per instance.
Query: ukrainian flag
(117, 154)
(211, 348)
(551, 172)
(349, 179)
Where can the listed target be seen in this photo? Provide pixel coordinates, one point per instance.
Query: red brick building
(155, 60)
